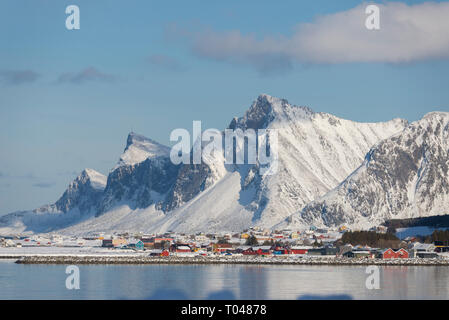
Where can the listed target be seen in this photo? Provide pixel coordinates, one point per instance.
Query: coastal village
(249, 244)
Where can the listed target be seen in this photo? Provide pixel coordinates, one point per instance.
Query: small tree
(252, 241)
(268, 243)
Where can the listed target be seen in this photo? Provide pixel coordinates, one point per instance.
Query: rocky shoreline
(234, 260)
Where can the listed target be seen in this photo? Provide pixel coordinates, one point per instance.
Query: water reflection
(220, 282)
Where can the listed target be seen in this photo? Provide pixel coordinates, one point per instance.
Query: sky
(69, 98)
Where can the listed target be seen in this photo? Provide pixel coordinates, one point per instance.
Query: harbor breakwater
(228, 260)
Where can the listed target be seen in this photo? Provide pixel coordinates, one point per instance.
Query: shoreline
(133, 260)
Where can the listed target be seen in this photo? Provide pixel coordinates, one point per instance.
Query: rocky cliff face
(190, 181)
(316, 152)
(146, 176)
(78, 203)
(403, 176)
(84, 193)
(139, 185)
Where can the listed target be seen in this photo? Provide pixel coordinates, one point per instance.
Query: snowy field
(66, 251)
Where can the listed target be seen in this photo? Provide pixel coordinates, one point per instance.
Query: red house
(402, 254)
(299, 250)
(249, 252)
(263, 250)
(391, 254)
(222, 247)
(387, 254)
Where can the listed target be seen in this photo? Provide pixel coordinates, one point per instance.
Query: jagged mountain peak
(264, 98)
(79, 202)
(436, 114)
(266, 109)
(432, 119)
(97, 180)
(139, 148)
(135, 138)
(83, 192)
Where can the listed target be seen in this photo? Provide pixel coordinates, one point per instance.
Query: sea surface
(19, 281)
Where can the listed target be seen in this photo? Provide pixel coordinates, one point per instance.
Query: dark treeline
(370, 238)
(434, 221)
(440, 237)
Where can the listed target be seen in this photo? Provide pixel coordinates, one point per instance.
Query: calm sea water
(220, 282)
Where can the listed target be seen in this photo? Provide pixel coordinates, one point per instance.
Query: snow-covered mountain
(148, 177)
(404, 176)
(79, 202)
(83, 193)
(316, 152)
(139, 148)
(143, 176)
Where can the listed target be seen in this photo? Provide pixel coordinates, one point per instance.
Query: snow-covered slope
(139, 148)
(146, 192)
(404, 176)
(79, 202)
(83, 194)
(316, 152)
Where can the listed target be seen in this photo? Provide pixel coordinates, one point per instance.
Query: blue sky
(68, 99)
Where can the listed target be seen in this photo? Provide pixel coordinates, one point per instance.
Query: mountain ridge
(318, 152)
(407, 174)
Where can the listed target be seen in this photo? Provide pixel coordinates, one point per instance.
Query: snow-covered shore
(52, 251)
(99, 255)
(271, 260)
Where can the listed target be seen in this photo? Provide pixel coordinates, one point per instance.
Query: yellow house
(119, 242)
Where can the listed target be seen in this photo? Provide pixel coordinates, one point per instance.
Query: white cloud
(16, 77)
(85, 75)
(408, 33)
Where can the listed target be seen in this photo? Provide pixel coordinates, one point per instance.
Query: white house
(10, 243)
(417, 249)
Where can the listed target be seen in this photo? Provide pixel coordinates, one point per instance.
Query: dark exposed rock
(403, 176)
(140, 185)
